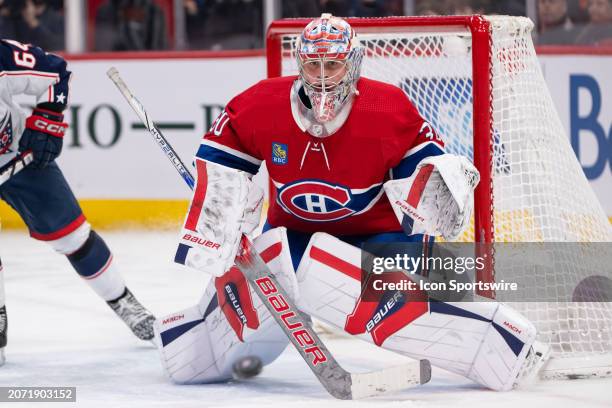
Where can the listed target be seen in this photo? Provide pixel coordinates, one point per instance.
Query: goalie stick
(15, 166)
(336, 380)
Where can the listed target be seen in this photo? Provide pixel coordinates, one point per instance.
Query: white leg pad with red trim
(200, 344)
(484, 341)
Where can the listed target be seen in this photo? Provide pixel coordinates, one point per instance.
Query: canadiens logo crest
(279, 153)
(6, 133)
(320, 201)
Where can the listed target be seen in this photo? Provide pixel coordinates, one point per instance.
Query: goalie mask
(329, 61)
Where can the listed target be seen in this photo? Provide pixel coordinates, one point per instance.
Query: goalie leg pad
(504, 348)
(201, 344)
(485, 341)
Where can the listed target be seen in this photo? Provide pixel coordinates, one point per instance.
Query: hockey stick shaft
(113, 74)
(15, 166)
(336, 380)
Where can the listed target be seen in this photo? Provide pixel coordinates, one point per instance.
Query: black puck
(247, 367)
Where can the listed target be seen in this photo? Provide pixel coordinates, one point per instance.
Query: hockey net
(477, 80)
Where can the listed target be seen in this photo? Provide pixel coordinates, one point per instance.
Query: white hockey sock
(92, 260)
(108, 282)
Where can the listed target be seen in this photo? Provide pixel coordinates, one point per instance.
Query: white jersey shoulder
(27, 70)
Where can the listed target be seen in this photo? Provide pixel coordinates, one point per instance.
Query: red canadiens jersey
(332, 184)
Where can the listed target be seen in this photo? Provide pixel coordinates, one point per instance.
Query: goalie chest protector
(331, 184)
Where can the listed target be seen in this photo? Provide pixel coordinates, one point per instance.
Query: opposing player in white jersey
(39, 193)
(348, 158)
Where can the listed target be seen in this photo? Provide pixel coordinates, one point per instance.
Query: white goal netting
(539, 191)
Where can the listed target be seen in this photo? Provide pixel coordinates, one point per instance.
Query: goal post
(478, 81)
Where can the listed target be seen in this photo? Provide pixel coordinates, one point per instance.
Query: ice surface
(62, 334)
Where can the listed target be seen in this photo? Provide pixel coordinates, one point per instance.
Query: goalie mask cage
(477, 80)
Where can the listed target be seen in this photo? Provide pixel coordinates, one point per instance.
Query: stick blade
(390, 379)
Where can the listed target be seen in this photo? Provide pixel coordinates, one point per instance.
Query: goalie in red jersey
(350, 161)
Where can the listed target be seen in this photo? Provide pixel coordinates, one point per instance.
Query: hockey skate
(3, 332)
(138, 319)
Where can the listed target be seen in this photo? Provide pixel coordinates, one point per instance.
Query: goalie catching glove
(437, 199)
(225, 205)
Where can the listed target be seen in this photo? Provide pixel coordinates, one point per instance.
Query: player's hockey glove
(43, 136)
(438, 198)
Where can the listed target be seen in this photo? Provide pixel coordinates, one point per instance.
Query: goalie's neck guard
(305, 118)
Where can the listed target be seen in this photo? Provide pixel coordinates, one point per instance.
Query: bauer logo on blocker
(280, 153)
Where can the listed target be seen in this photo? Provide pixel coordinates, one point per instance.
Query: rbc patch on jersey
(6, 133)
(280, 153)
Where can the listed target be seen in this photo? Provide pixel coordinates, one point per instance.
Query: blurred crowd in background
(39, 22)
(121, 25)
